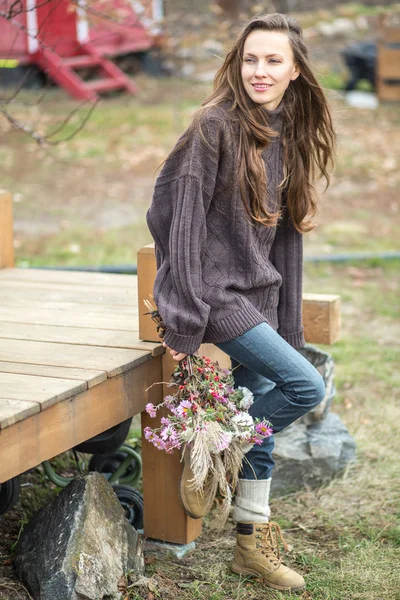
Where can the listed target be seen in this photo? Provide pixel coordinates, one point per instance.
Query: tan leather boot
(257, 554)
(196, 504)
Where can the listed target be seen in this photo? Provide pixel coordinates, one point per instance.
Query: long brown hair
(308, 135)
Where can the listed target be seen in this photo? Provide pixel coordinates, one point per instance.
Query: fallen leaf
(122, 585)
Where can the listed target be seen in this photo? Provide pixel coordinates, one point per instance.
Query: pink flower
(158, 443)
(149, 434)
(169, 401)
(170, 445)
(168, 432)
(183, 409)
(223, 442)
(263, 429)
(231, 406)
(151, 409)
(165, 421)
(255, 440)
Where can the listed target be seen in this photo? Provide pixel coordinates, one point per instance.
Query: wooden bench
(73, 363)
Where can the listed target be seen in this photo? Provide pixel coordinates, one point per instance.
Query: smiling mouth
(261, 87)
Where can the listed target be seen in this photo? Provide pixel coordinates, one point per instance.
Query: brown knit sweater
(218, 272)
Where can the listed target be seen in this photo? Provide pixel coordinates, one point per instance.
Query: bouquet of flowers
(208, 417)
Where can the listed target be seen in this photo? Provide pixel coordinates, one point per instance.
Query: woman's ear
(295, 73)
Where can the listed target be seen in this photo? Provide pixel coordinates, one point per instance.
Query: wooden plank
(10, 290)
(6, 231)
(75, 335)
(12, 411)
(68, 423)
(146, 265)
(33, 388)
(321, 318)
(91, 376)
(161, 474)
(87, 320)
(69, 277)
(26, 305)
(68, 355)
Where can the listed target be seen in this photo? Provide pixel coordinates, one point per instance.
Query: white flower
(248, 398)
(243, 419)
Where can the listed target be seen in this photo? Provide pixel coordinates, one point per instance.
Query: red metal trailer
(62, 37)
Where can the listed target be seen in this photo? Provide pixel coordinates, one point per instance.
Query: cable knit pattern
(218, 272)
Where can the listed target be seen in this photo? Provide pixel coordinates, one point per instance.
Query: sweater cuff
(188, 344)
(297, 339)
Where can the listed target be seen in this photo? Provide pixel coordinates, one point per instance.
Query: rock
(323, 362)
(361, 22)
(206, 77)
(187, 70)
(325, 29)
(359, 99)
(337, 28)
(213, 47)
(311, 455)
(344, 26)
(185, 53)
(80, 546)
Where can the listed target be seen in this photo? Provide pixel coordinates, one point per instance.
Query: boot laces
(270, 540)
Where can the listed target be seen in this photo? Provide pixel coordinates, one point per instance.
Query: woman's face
(268, 67)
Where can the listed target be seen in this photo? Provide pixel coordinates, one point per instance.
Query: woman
(229, 211)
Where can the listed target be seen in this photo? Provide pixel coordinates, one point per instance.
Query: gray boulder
(311, 455)
(324, 363)
(80, 546)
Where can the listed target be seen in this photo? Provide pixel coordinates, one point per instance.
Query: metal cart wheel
(132, 502)
(123, 466)
(9, 494)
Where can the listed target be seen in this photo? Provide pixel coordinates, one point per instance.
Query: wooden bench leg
(164, 517)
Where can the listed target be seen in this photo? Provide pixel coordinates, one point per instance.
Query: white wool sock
(252, 501)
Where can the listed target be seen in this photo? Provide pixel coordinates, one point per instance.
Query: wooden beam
(147, 269)
(321, 312)
(46, 434)
(6, 231)
(161, 474)
(321, 318)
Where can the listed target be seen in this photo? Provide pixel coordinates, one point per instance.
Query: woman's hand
(175, 355)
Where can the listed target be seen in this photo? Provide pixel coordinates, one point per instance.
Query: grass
(77, 246)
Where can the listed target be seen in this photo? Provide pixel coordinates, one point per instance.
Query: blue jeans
(284, 383)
